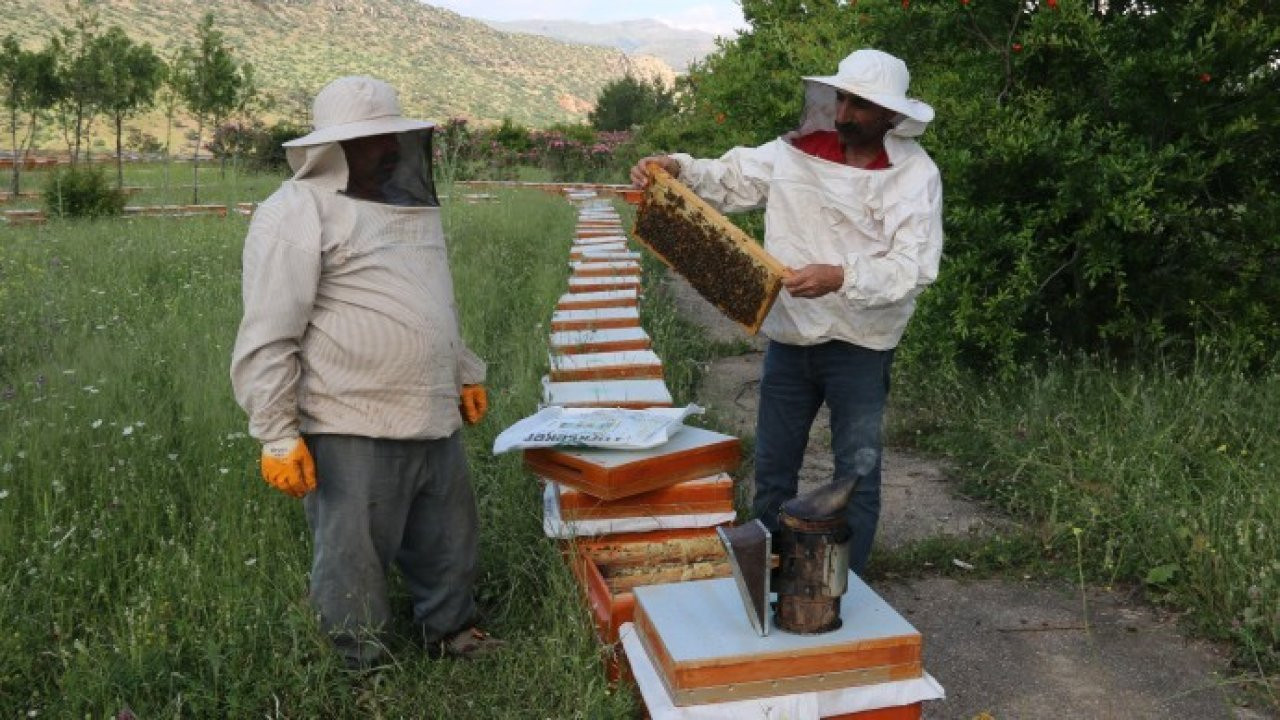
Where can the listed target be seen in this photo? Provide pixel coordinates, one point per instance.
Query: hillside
(673, 46)
(444, 65)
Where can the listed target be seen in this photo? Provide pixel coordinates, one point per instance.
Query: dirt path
(1008, 648)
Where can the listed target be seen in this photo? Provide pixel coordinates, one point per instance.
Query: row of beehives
(629, 518)
(638, 529)
(37, 217)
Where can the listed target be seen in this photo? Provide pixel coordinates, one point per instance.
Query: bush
(1109, 173)
(257, 144)
(81, 191)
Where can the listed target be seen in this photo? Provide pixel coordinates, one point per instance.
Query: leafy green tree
(30, 85)
(169, 99)
(630, 101)
(210, 83)
(131, 74)
(1110, 170)
(79, 74)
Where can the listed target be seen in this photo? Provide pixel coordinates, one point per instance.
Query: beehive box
(699, 639)
(608, 569)
(632, 394)
(598, 300)
(603, 268)
(583, 252)
(605, 366)
(609, 282)
(720, 261)
(572, 342)
(605, 253)
(595, 319)
(611, 239)
(611, 474)
(705, 495)
(899, 700)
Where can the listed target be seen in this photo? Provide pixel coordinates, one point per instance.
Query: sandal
(466, 644)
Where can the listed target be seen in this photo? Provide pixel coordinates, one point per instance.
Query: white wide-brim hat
(880, 78)
(356, 106)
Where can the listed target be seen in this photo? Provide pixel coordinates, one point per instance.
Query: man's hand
(640, 173)
(474, 403)
(814, 281)
(287, 466)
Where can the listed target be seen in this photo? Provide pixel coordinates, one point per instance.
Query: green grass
(1164, 476)
(145, 563)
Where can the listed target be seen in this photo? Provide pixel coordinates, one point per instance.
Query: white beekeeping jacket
(883, 227)
(350, 324)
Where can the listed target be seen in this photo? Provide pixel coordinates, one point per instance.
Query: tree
(630, 101)
(13, 61)
(30, 84)
(210, 83)
(131, 74)
(1111, 177)
(79, 73)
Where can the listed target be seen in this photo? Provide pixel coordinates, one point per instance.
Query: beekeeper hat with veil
(871, 74)
(362, 146)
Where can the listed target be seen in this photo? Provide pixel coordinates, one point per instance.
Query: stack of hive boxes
(638, 528)
(626, 517)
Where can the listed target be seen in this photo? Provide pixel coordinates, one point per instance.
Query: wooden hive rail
(720, 261)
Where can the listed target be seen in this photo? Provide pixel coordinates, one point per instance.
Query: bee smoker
(813, 560)
(812, 567)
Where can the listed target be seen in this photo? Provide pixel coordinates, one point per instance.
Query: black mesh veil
(411, 182)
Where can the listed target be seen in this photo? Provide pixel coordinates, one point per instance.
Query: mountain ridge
(676, 47)
(443, 64)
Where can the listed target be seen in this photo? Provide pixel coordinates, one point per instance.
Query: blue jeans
(854, 383)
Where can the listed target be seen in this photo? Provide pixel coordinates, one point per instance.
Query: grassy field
(163, 184)
(1162, 478)
(146, 566)
(145, 563)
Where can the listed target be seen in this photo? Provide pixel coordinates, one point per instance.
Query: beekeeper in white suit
(853, 206)
(351, 368)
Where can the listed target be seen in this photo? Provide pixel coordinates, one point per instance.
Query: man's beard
(852, 133)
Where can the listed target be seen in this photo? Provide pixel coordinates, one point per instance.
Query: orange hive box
(704, 650)
(833, 704)
(605, 366)
(604, 268)
(588, 233)
(611, 474)
(598, 300)
(721, 262)
(712, 494)
(598, 319)
(573, 342)
(609, 568)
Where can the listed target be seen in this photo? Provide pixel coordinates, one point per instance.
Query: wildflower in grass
(4, 493)
(96, 424)
(127, 431)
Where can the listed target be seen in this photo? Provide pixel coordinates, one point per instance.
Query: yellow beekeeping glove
(287, 466)
(475, 403)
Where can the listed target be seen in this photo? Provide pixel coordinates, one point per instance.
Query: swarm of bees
(722, 263)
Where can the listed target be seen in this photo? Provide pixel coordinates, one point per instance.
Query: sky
(719, 17)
